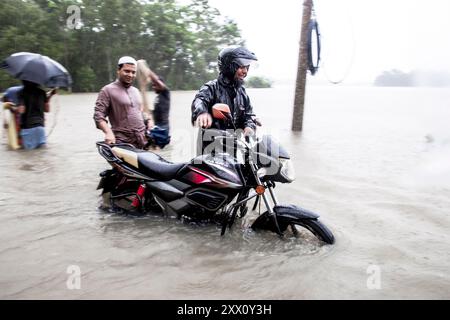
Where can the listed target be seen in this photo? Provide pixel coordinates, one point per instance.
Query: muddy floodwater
(373, 162)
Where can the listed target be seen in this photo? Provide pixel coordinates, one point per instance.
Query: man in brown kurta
(121, 103)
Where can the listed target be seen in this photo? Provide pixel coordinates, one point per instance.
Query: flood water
(374, 162)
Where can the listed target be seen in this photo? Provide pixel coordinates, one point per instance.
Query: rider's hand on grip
(204, 120)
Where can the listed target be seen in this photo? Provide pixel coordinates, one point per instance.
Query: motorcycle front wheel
(292, 216)
(316, 227)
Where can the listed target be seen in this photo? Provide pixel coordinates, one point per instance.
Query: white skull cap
(127, 60)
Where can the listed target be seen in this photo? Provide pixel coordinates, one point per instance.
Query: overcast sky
(360, 38)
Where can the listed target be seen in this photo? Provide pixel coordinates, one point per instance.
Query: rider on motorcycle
(234, 63)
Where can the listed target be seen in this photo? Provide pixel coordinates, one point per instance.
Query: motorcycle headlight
(287, 169)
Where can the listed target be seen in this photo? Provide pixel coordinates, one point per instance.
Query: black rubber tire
(317, 228)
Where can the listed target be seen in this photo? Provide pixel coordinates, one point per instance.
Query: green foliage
(258, 82)
(86, 77)
(179, 42)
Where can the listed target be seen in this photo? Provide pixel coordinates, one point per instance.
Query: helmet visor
(243, 62)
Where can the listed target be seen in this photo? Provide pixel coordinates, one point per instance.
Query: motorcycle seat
(149, 163)
(157, 167)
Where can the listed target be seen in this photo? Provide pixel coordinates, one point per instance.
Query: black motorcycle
(213, 187)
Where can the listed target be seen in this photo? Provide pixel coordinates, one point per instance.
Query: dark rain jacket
(222, 90)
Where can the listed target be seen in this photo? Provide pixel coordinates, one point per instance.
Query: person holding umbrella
(38, 69)
(33, 102)
(35, 70)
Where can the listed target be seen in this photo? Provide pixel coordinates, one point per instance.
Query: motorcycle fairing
(164, 190)
(206, 169)
(271, 148)
(206, 199)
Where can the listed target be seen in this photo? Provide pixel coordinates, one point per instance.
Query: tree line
(179, 42)
(415, 78)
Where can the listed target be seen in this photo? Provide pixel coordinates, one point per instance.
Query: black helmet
(233, 57)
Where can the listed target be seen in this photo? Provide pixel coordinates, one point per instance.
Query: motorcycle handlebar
(246, 144)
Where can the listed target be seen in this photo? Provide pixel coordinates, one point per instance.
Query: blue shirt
(11, 94)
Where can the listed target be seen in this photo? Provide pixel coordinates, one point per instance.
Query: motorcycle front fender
(285, 215)
(294, 212)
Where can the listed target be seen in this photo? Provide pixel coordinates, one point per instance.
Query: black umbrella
(38, 69)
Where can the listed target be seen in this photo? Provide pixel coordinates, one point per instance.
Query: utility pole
(299, 101)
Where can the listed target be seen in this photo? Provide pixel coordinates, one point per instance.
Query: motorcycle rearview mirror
(221, 111)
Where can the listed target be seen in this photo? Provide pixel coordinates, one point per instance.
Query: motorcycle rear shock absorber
(137, 202)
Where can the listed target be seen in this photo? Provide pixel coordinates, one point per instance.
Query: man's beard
(126, 84)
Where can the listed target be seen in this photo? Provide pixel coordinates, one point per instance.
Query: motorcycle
(214, 187)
